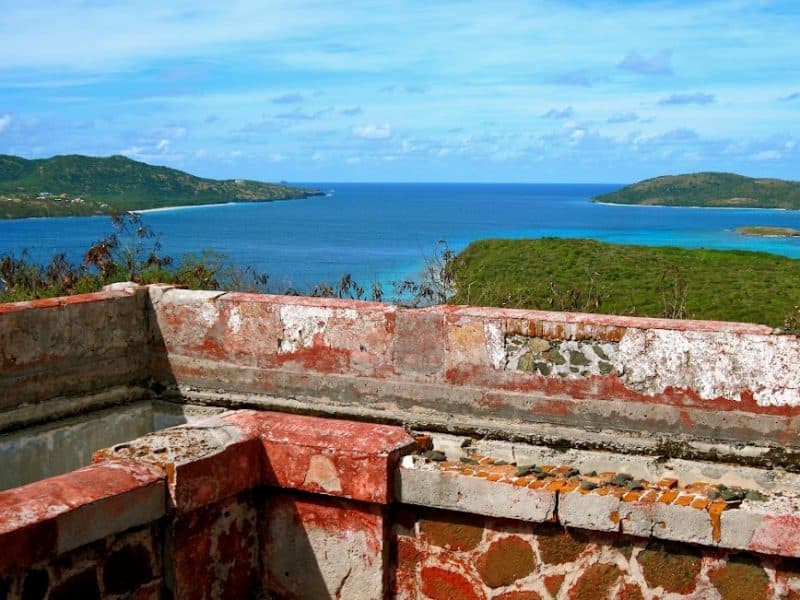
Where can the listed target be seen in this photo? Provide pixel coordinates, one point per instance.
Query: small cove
(384, 232)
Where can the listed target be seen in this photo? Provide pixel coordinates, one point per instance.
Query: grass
(591, 276)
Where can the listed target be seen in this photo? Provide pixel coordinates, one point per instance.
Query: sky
(390, 90)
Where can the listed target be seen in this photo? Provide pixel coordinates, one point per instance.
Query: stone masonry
(369, 451)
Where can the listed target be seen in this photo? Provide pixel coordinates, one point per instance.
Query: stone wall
(243, 505)
(662, 387)
(444, 555)
(260, 504)
(64, 356)
(466, 452)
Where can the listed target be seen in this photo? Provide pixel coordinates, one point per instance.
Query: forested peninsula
(590, 276)
(75, 185)
(709, 190)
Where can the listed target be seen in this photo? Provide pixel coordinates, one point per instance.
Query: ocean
(384, 232)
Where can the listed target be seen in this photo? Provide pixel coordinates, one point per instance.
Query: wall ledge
(52, 516)
(239, 450)
(605, 502)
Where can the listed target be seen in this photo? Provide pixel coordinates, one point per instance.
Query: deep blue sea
(384, 232)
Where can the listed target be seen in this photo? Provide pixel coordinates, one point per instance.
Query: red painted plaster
(779, 534)
(31, 515)
(362, 454)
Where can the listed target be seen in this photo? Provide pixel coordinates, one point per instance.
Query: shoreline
(695, 207)
(183, 207)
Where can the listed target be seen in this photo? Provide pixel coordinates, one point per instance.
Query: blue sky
(304, 90)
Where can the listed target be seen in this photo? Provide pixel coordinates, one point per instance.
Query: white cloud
(162, 145)
(658, 64)
(373, 132)
(623, 117)
(5, 121)
(766, 155)
(555, 113)
(694, 98)
(576, 136)
(134, 152)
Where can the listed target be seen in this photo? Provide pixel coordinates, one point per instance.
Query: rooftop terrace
(164, 443)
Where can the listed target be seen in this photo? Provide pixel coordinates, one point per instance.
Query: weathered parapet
(247, 504)
(90, 533)
(264, 504)
(231, 500)
(61, 356)
(669, 386)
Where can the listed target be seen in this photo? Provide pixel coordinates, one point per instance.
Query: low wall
(464, 452)
(64, 356)
(227, 508)
(671, 388)
(59, 446)
(260, 504)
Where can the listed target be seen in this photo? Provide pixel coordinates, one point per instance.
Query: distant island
(75, 185)
(710, 190)
(766, 231)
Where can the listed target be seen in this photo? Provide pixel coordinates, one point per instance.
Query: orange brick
(715, 512)
(668, 496)
(698, 485)
(569, 486)
(562, 469)
(547, 468)
(717, 506)
(632, 496)
(555, 486)
(494, 477)
(700, 502)
(537, 484)
(603, 491)
(425, 442)
(522, 481)
(649, 496)
(667, 483)
(684, 499)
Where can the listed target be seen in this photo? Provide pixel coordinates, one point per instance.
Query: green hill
(76, 185)
(709, 190)
(590, 276)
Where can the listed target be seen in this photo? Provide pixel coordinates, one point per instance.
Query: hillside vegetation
(81, 185)
(709, 190)
(590, 276)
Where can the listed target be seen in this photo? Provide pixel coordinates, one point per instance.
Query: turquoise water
(384, 231)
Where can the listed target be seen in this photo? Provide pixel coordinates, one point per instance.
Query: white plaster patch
(300, 325)
(348, 313)
(208, 313)
(322, 472)
(495, 345)
(712, 364)
(235, 320)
